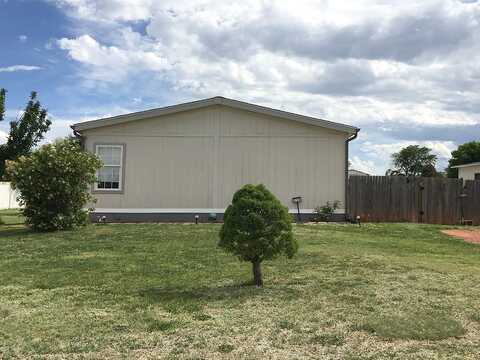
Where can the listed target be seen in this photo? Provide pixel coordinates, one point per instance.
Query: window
(477, 176)
(109, 177)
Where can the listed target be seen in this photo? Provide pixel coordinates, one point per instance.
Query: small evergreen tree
(257, 227)
(25, 133)
(53, 184)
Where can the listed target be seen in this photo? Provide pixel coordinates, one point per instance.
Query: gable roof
(466, 165)
(218, 100)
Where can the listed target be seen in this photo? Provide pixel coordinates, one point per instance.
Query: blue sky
(406, 72)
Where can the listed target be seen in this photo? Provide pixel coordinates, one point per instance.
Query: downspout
(78, 136)
(350, 138)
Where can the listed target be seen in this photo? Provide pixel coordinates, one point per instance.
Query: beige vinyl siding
(290, 166)
(199, 158)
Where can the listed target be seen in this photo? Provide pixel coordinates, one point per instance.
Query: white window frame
(120, 172)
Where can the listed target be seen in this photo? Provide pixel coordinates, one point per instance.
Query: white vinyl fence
(8, 197)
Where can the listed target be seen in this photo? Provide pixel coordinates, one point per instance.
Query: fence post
(421, 188)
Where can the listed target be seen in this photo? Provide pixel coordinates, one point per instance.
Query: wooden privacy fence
(402, 199)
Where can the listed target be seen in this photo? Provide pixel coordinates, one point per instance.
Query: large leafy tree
(413, 160)
(257, 227)
(465, 154)
(25, 132)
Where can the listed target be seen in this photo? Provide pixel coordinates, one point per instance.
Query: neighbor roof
(218, 100)
(466, 165)
(358, 171)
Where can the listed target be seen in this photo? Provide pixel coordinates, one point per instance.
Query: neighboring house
(175, 162)
(8, 197)
(353, 172)
(468, 171)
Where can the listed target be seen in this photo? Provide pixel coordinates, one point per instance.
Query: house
(468, 171)
(8, 197)
(353, 172)
(175, 162)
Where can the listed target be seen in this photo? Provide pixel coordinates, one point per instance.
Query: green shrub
(257, 227)
(53, 183)
(325, 212)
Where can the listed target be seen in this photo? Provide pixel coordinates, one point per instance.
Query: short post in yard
(297, 200)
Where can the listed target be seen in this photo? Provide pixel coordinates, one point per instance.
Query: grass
(10, 217)
(413, 325)
(396, 291)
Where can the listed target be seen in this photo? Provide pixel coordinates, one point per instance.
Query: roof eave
(93, 124)
(140, 115)
(466, 165)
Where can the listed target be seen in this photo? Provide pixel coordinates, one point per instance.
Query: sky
(405, 72)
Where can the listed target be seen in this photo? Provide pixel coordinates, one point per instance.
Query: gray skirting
(179, 217)
(152, 217)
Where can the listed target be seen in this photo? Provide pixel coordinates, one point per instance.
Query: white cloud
(110, 63)
(14, 68)
(3, 137)
(442, 149)
(381, 153)
(392, 67)
(367, 166)
(252, 49)
(107, 10)
(23, 38)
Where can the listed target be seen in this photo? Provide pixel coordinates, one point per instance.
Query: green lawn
(395, 291)
(10, 217)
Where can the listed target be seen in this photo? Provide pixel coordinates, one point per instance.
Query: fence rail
(402, 199)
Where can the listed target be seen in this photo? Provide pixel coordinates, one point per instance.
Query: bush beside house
(53, 182)
(325, 212)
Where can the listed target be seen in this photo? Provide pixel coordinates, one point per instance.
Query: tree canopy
(465, 154)
(413, 160)
(25, 132)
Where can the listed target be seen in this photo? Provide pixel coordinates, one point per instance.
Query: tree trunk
(257, 273)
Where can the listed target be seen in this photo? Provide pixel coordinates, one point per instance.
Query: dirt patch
(471, 236)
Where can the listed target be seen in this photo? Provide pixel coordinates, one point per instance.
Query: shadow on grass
(14, 230)
(192, 299)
